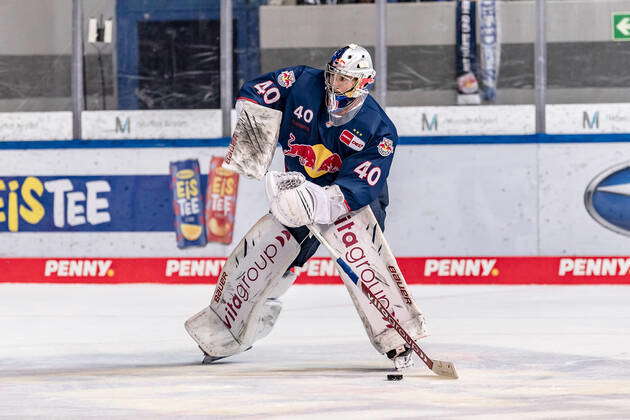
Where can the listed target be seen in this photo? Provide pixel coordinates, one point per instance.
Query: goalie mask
(348, 76)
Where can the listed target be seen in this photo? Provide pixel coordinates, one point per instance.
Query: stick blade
(446, 369)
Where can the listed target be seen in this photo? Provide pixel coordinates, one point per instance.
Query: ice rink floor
(530, 352)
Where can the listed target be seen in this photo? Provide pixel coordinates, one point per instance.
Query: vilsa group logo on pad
(607, 198)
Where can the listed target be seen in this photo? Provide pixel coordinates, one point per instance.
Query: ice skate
(402, 357)
(207, 359)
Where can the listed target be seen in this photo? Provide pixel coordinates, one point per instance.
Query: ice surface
(73, 351)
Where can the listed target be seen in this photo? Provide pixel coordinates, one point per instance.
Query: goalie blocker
(254, 139)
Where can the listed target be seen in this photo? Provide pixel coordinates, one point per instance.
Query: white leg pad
(239, 312)
(360, 242)
(210, 333)
(207, 329)
(283, 284)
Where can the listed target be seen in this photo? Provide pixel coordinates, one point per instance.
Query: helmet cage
(362, 80)
(350, 61)
(354, 62)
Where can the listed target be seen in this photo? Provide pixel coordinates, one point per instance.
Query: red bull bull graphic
(304, 152)
(331, 164)
(317, 160)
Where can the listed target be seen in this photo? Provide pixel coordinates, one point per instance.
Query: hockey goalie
(338, 147)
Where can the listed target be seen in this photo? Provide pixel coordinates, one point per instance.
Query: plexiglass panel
(430, 44)
(166, 54)
(35, 55)
(315, 32)
(587, 51)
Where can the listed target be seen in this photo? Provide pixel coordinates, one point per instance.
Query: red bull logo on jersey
(385, 147)
(286, 79)
(317, 160)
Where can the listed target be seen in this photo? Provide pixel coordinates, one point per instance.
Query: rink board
(439, 270)
(154, 124)
(522, 205)
(481, 120)
(29, 126)
(587, 118)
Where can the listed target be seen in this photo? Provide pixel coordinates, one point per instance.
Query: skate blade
(207, 359)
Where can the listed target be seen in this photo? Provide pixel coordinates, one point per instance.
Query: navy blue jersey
(356, 156)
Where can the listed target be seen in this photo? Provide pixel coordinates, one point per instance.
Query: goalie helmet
(350, 67)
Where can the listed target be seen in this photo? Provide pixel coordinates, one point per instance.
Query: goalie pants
(309, 246)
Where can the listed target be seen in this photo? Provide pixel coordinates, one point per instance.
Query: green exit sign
(621, 26)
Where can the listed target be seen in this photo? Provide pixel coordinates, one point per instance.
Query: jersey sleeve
(364, 174)
(271, 89)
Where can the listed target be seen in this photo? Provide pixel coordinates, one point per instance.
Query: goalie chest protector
(315, 148)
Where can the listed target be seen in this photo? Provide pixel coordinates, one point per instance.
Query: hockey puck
(394, 376)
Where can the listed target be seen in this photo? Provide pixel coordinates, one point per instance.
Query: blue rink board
(404, 140)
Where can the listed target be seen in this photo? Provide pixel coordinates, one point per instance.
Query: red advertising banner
(220, 202)
(438, 270)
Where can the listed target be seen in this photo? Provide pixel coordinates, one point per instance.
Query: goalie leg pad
(240, 312)
(273, 306)
(360, 242)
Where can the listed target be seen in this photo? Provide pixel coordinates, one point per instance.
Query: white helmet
(353, 61)
(350, 61)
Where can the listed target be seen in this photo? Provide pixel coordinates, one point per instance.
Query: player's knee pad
(241, 310)
(360, 242)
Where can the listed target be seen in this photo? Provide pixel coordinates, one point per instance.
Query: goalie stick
(439, 367)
